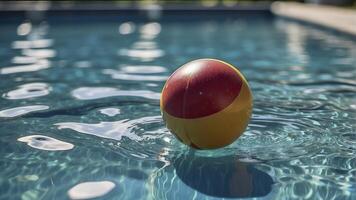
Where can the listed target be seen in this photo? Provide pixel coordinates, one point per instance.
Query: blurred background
(205, 3)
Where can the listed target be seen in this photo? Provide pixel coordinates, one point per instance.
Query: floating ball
(206, 103)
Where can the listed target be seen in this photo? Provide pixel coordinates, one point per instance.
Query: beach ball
(206, 103)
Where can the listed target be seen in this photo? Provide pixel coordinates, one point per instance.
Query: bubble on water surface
(45, 143)
(88, 190)
(18, 111)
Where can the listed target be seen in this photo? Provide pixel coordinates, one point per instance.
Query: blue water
(80, 103)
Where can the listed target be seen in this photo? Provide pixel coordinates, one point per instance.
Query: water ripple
(347, 140)
(22, 110)
(333, 82)
(29, 90)
(294, 104)
(270, 137)
(89, 93)
(111, 130)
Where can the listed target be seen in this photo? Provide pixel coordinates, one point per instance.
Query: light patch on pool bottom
(110, 111)
(18, 111)
(88, 190)
(45, 143)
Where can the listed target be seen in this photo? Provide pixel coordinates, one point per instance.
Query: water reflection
(142, 54)
(83, 64)
(39, 53)
(29, 90)
(22, 110)
(89, 190)
(24, 28)
(127, 28)
(296, 42)
(35, 49)
(110, 111)
(146, 49)
(45, 143)
(89, 93)
(28, 44)
(302, 42)
(150, 30)
(116, 74)
(145, 45)
(39, 65)
(23, 60)
(143, 69)
(111, 130)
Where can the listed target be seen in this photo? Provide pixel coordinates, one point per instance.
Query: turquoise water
(80, 103)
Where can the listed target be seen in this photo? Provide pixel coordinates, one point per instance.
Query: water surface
(79, 109)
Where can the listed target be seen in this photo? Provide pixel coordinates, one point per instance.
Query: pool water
(80, 117)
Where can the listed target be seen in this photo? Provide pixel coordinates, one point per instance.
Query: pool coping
(342, 20)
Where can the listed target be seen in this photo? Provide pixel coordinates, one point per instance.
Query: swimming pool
(80, 103)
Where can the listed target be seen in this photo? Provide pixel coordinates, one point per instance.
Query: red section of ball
(200, 88)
